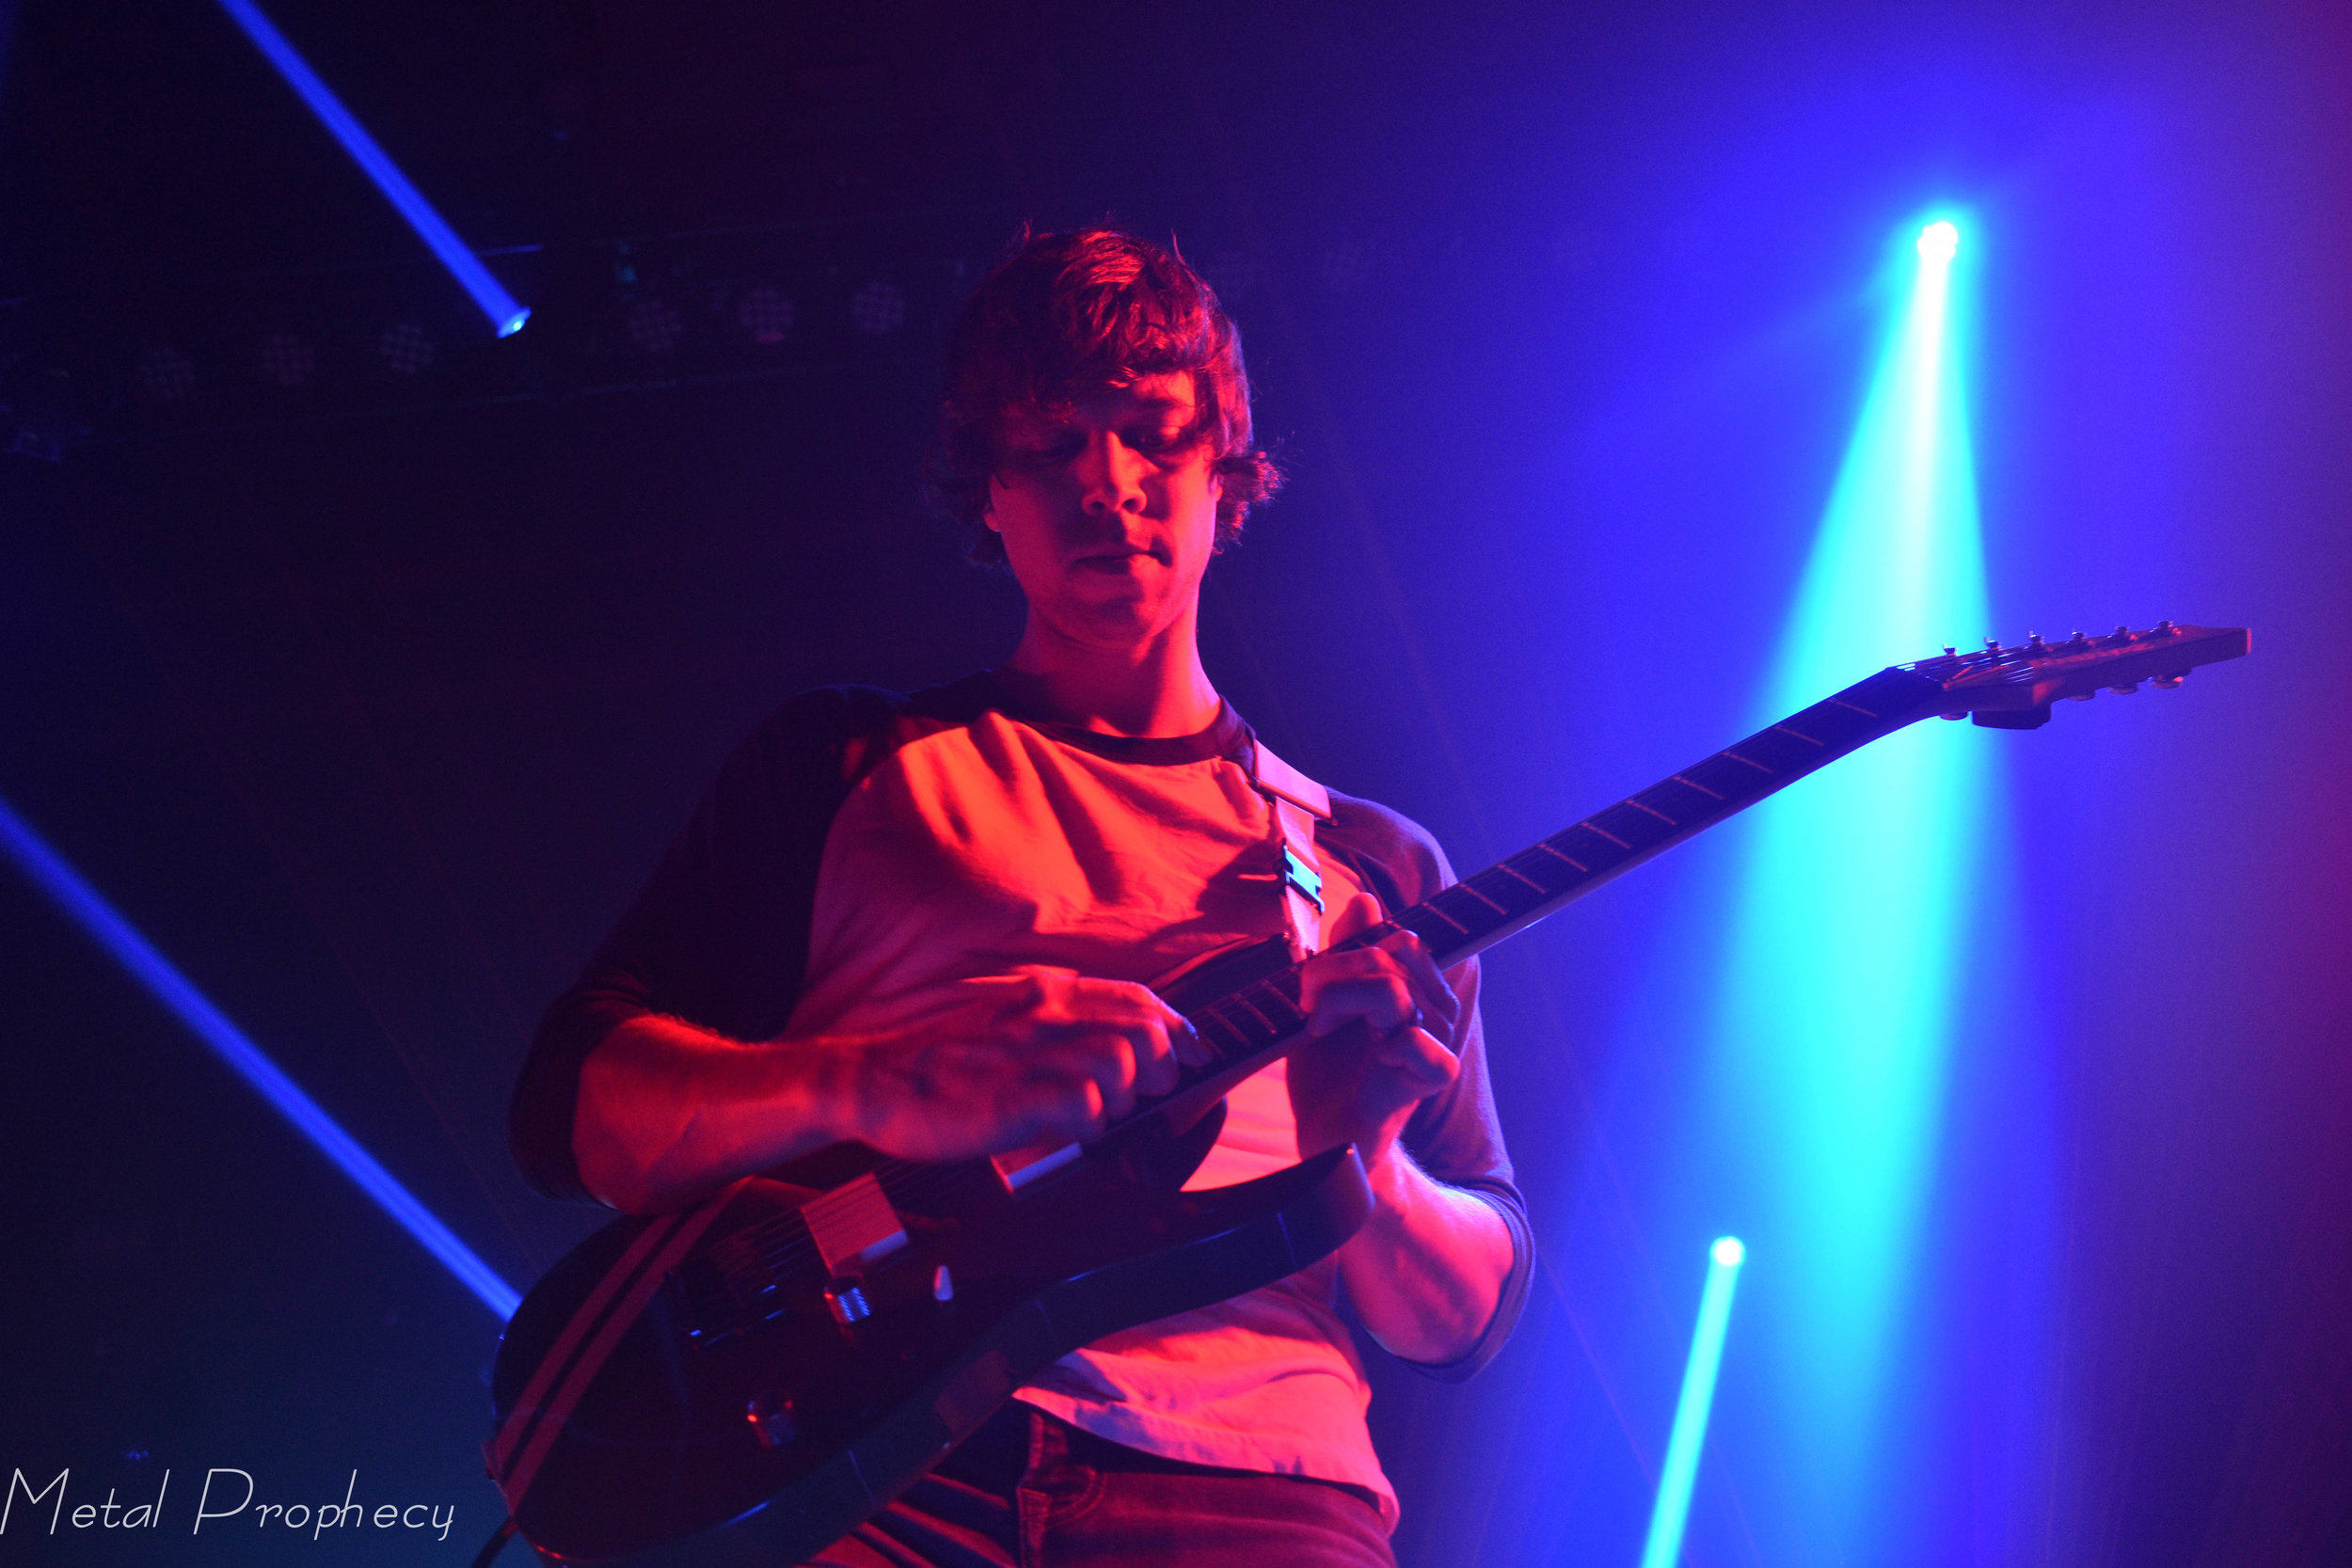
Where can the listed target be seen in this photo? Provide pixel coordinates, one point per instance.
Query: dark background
(370, 700)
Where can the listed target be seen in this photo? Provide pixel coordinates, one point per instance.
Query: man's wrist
(1398, 1184)
(816, 1089)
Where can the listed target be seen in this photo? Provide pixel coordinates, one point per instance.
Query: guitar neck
(1251, 1026)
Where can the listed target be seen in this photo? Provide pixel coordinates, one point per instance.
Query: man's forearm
(669, 1112)
(1427, 1271)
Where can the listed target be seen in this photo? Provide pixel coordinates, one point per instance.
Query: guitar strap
(515, 1452)
(1298, 803)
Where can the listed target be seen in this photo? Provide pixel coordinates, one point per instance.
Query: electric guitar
(750, 1379)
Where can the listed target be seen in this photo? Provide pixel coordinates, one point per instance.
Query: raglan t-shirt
(867, 862)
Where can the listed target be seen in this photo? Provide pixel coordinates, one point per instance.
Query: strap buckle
(1302, 879)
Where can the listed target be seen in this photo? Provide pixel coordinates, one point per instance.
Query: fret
(1687, 782)
(1544, 868)
(1432, 938)
(1465, 887)
(1512, 895)
(1592, 849)
(1507, 868)
(1223, 1037)
(1241, 999)
(1545, 845)
(1679, 802)
(1468, 907)
(1834, 723)
(1630, 826)
(1726, 777)
(1277, 1007)
(1779, 752)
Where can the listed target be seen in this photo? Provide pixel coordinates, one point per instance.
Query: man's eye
(1047, 453)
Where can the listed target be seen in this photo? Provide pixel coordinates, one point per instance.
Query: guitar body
(757, 1401)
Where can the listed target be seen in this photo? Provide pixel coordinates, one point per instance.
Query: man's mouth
(1118, 560)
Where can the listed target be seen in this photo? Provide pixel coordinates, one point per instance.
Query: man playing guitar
(926, 924)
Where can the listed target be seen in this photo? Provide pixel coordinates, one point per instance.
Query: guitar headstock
(2012, 688)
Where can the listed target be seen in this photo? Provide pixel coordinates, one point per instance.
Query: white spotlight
(1938, 241)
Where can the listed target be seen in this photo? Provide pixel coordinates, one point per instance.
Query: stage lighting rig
(287, 363)
(406, 348)
(764, 315)
(880, 309)
(166, 374)
(656, 327)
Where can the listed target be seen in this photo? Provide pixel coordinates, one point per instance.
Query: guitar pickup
(853, 1225)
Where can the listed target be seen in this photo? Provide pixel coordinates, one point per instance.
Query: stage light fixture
(879, 308)
(286, 360)
(1677, 1477)
(766, 315)
(406, 348)
(656, 327)
(166, 375)
(506, 316)
(1939, 241)
(135, 953)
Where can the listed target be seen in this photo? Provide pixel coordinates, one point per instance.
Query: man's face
(1108, 512)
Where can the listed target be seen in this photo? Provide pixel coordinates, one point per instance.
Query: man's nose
(1110, 476)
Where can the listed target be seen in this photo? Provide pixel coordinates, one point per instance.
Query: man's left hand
(1379, 1021)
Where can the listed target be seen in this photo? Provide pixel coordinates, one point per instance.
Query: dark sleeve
(720, 936)
(1453, 1135)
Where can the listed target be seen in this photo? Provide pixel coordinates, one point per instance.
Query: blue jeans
(1028, 1491)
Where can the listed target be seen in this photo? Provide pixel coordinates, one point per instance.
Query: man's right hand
(1046, 1056)
(668, 1112)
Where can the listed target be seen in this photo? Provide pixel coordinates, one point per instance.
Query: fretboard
(1249, 1027)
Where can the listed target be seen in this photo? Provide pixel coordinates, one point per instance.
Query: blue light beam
(1723, 1262)
(506, 316)
(1848, 956)
(171, 987)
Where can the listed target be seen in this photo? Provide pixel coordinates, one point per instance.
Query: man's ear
(988, 513)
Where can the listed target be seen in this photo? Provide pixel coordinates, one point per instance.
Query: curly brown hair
(1062, 314)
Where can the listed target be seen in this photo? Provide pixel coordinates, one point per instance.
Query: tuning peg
(2170, 683)
(2034, 644)
(1991, 645)
(2080, 696)
(2078, 640)
(2123, 634)
(1950, 652)
(2125, 689)
(2166, 628)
